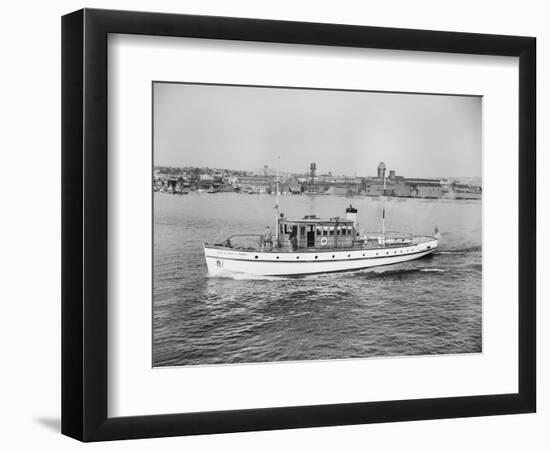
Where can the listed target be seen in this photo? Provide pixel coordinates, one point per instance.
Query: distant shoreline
(314, 194)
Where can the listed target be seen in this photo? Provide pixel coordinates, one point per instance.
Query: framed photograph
(273, 224)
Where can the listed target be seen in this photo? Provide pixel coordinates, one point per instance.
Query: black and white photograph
(300, 224)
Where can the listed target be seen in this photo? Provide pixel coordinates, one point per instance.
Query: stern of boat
(426, 243)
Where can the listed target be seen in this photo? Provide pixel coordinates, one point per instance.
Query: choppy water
(428, 306)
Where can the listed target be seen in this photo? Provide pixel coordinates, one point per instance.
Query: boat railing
(388, 235)
(243, 241)
(256, 242)
(393, 238)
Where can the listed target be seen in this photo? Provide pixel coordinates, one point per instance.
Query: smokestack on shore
(381, 170)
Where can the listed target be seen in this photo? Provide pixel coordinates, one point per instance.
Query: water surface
(423, 307)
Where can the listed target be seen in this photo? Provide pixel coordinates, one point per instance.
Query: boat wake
(460, 250)
(397, 273)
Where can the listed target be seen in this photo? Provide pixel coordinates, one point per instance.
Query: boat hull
(226, 261)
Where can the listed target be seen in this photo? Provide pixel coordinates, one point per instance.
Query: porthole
(256, 256)
(297, 257)
(349, 255)
(277, 257)
(363, 254)
(316, 257)
(333, 256)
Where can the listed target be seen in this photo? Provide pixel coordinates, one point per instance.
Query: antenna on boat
(277, 201)
(383, 221)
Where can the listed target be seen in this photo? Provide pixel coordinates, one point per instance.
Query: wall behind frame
(31, 192)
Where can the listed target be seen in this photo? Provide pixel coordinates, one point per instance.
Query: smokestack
(312, 170)
(381, 170)
(351, 214)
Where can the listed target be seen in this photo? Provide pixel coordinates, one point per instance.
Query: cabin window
(325, 231)
(319, 231)
(344, 231)
(338, 231)
(331, 231)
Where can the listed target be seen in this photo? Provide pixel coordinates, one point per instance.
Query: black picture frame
(84, 224)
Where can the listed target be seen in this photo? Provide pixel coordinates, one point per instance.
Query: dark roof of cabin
(315, 219)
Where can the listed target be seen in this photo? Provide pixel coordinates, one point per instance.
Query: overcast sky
(343, 132)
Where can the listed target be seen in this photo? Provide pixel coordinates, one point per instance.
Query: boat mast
(277, 202)
(384, 210)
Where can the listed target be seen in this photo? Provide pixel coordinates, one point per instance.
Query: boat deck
(370, 244)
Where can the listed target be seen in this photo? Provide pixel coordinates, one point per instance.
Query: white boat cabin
(312, 232)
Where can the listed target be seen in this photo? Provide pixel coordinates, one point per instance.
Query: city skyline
(306, 174)
(346, 133)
